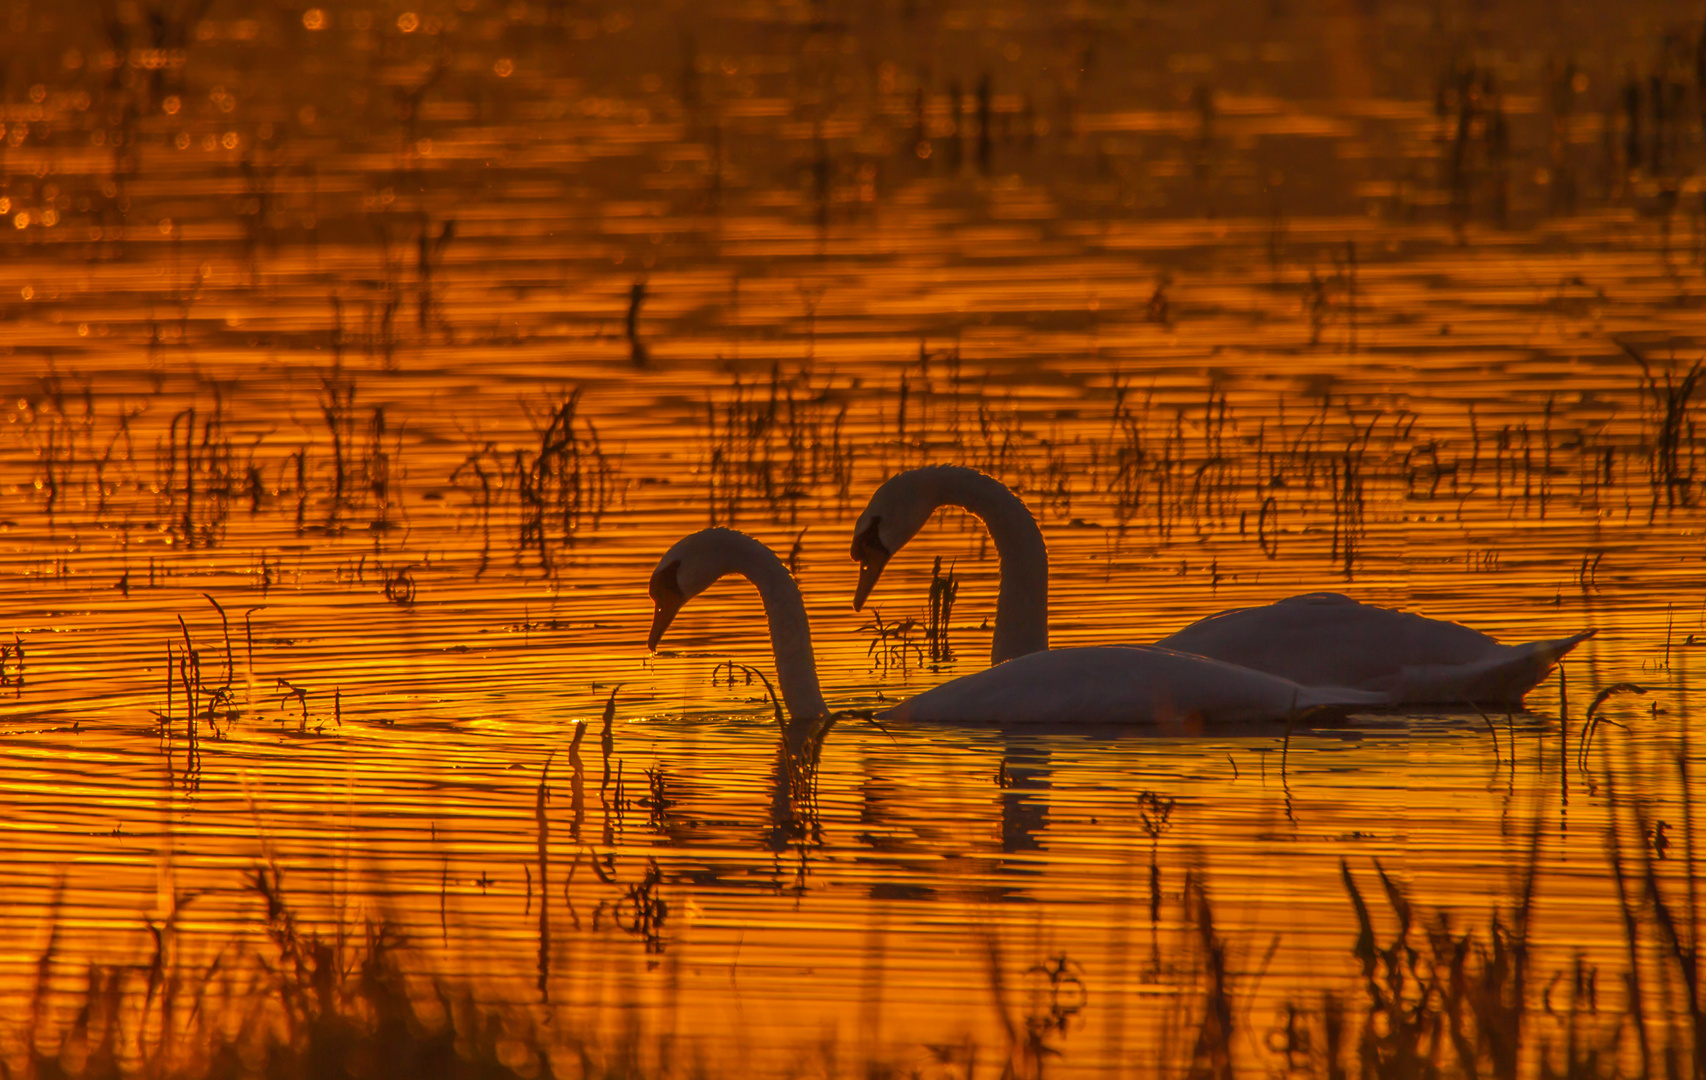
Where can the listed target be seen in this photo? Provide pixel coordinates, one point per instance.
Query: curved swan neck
(790, 632)
(1021, 604)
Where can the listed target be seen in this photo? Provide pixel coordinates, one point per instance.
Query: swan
(1314, 639)
(1138, 684)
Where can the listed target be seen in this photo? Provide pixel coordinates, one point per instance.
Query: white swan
(1108, 685)
(1315, 639)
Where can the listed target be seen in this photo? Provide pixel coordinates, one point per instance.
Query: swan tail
(1497, 680)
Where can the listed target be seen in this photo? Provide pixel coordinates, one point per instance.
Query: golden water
(378, 245)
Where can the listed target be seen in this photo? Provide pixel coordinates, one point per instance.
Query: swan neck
(1021, 602)
(790, 633)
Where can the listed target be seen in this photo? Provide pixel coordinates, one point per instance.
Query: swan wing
(1328, 639)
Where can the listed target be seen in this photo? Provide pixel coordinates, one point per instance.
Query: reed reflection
(794, 821)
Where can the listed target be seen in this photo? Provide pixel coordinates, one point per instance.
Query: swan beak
(667, 599)
(870, 569)
(662, 615)
(872, 555)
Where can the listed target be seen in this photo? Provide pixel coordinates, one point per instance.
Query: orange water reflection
(1242, 312)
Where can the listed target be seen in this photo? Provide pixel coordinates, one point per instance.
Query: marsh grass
(893, 646)
(12, 665)
(562, 486)
(773, 443)
(1151, 465)
(1673, 442)
(944, 588)
(308, 1005)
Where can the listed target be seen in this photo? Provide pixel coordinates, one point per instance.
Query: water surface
(1245, 300)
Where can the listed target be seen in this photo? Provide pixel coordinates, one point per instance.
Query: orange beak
(870, 569)
(869, 549)
(662, 615)
(666, 595)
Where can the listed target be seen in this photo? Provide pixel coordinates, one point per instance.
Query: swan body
(1110, 685)
(1319, 639)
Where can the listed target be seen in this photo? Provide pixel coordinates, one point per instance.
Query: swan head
(686, 570)
(690, 567)
(872, 555)
(896, 512)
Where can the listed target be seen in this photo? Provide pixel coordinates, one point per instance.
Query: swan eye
(868, 546)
